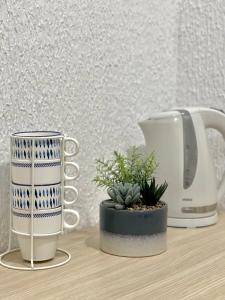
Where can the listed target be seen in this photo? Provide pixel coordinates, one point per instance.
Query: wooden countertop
(192, 268)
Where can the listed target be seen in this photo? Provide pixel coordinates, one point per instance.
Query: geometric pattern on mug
(44, 215)
(45, 197)
(36, 165)
(44, 149)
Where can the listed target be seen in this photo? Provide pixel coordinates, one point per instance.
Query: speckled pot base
(132, 246)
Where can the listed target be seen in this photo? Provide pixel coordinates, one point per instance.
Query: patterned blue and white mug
(45, 196)
(44, 222)
(47, 147)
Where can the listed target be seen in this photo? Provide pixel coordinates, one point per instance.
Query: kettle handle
(215, 119)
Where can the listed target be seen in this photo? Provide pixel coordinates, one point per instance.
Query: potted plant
(133, 222)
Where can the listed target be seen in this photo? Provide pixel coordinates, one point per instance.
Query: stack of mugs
(37, 191)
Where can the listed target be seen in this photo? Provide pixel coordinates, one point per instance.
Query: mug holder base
(16, 262)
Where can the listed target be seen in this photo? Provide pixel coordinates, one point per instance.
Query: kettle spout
(144, 125)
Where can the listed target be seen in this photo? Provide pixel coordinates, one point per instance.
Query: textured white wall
(201, 53)
(91, 69)
(201, 62)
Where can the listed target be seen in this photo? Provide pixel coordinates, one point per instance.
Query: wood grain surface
(192, 268)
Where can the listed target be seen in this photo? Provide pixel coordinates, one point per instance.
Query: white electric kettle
(179, 141)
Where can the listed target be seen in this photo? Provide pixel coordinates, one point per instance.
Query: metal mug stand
(32, 266)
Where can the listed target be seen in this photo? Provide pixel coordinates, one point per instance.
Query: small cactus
(124, 195)
(152, 192)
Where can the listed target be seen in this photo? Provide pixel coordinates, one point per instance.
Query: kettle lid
(164, 115)
(175, 112)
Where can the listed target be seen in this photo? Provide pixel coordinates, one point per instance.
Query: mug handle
(75, 142)
(75, 213)
(75, 192)
(69, 163)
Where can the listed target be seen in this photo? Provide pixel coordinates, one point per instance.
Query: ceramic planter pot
(133, 233)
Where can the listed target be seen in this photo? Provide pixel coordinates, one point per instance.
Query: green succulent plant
(124, 194)
(132, 167)
(152, 192)
(129, 179)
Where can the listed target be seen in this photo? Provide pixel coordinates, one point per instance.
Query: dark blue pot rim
(134, 211)
(135, 222)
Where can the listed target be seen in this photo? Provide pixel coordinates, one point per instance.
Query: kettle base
(192, 223)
